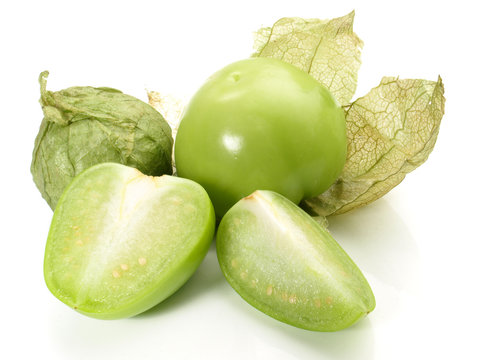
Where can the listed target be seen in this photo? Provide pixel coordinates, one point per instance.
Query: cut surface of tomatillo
(288, 266)
(120, 242)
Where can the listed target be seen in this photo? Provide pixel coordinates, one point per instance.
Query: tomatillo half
(120, 241)
(264, 124)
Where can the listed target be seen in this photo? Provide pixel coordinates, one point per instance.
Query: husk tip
(43, 76)
(42, 79)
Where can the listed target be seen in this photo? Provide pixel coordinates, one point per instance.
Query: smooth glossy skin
(288, 266)
(120, 242)
(261, 124)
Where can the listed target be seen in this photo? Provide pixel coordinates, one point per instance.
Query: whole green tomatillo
(262, 124)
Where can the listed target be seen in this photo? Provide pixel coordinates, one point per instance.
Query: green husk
(391, 131)
(328, 50)
(84, 126)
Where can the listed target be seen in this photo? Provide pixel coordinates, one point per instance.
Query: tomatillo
(264, 124)
(288, 266)
(121, 241)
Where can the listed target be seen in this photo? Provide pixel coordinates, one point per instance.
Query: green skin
(261, 124)
(288, 266)
(120, 242)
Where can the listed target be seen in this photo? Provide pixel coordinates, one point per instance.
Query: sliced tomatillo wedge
(289, 267)
(120, 241)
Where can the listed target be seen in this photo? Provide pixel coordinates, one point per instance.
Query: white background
(418, 246)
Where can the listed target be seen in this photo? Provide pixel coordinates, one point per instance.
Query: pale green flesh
(286, 265)
(120, 241)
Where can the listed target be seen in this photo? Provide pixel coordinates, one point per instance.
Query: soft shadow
(379, 242)
(205, 279)
(355, 342)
